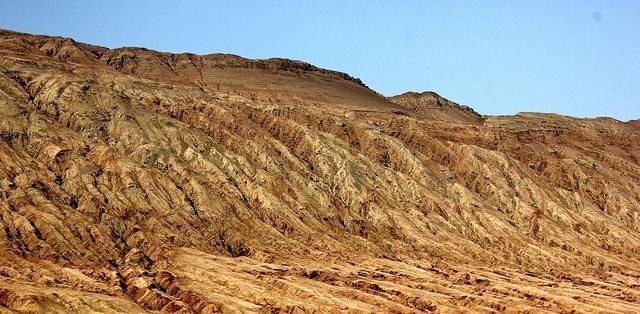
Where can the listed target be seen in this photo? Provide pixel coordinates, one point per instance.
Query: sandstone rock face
(139, 181)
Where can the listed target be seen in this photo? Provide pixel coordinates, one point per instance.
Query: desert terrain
(136, 181)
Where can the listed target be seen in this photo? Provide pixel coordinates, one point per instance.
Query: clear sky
(580, 58)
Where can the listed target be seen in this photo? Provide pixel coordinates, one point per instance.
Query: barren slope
(433, 106)
(129, 182)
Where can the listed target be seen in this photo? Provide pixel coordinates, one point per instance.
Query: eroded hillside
(135, 181)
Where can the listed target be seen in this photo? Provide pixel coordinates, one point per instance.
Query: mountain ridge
(136, 190)
(233, 60)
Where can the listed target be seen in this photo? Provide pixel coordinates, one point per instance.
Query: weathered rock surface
(433, 106)
(136, 181)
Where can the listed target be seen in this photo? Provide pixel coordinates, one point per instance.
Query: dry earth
(138, 181)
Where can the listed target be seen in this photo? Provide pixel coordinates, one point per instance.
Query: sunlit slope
(129, 181)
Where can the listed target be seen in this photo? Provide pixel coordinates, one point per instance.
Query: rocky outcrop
(433, 106)
(136, 185)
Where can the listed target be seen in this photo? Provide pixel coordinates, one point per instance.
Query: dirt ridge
(142, 186)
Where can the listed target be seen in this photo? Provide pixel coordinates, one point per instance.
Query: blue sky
(580, 58)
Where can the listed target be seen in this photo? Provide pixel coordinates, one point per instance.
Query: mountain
(138, 181)
(436, 107)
